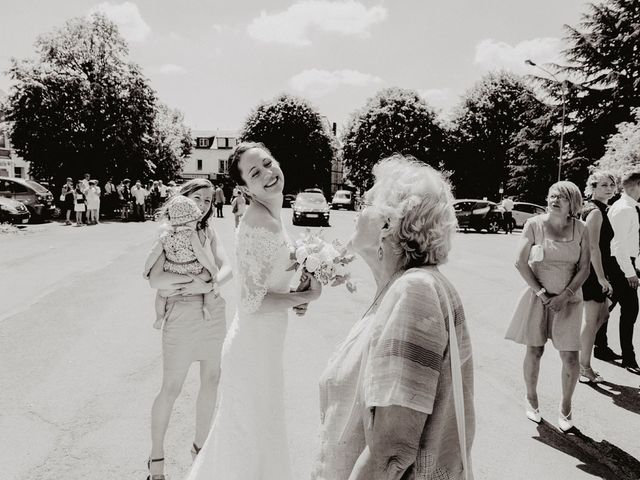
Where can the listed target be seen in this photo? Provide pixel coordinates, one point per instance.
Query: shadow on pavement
(622, 395)
(601, 459)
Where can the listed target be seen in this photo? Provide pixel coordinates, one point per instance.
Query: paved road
(80, 364)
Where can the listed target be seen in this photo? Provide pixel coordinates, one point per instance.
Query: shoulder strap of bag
(456, 375)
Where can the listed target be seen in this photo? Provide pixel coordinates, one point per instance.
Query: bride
(248, 439)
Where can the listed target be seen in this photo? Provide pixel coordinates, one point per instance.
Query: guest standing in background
(139, 194)
(93, 202)
(625, 246)
(68, 193)
(553, 260)
(238, 207)
(600, 188)
(80, 203)
(219, 201)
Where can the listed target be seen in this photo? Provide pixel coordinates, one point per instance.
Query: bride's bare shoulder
(259, 218)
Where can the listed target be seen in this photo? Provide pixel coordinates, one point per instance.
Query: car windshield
(345, 195)
(36, 186)
(315, 198)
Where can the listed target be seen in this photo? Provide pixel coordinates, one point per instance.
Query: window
(5, 187)
(203, 142)
(463, 206)
(18, 171)
(199, 164)
(223, 166)
(226, 142)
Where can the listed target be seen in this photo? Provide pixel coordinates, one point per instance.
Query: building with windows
(210, 155)
(10, 164)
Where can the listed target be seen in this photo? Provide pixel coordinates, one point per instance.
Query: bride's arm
(257, 254)
(221, 259)
(281, 301)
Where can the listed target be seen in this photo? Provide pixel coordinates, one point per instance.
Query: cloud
(494, 55)
(439, 98)
(127, 16)
(317, 83)
(171, 69)
(292, 26)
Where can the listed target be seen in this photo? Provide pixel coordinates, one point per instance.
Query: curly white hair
(417, 201)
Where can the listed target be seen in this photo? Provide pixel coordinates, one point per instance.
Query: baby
(183, 215)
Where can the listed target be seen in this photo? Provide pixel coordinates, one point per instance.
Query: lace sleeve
(257, 248)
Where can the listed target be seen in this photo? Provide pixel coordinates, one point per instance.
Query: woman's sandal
(589, 375)
(157, 476)
(195, 450)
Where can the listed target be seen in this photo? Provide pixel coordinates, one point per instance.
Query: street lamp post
(533, 64)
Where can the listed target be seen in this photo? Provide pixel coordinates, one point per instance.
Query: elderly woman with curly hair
(553, 259)
(388, 406)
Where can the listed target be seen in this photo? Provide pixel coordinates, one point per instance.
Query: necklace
(382, 290)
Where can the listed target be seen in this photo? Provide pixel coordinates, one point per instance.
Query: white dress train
(248, 439)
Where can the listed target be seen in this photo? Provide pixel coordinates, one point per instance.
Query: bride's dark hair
(234, 159)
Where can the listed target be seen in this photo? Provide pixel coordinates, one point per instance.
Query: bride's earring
(380, 252)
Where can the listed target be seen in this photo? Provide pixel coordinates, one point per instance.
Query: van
(37, 199)
(343, 199)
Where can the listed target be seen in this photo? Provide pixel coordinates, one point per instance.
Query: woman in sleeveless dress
(601, 186)
(554, 261)
(186, 336)
(248, 439)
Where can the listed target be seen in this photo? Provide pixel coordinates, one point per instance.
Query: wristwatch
(541, 292)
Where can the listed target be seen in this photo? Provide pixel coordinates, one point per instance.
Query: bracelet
(571, 292)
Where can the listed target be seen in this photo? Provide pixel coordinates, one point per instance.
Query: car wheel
(493, 226)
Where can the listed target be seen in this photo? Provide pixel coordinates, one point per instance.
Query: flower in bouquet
(326, 261)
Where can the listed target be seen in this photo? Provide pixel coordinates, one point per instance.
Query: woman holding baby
(194, 325)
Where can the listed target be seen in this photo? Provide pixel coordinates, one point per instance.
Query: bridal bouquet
(325, 261)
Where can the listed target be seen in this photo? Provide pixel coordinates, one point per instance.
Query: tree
(393, 121)
(604, 72)
(80, 106)
(170, 143)
(485, 128)
(623, 148)
(533, 166)
(298, 137)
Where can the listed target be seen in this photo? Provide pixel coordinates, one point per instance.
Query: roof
(215, 133)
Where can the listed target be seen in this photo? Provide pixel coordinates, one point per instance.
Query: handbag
(62, 197)
(458, 393)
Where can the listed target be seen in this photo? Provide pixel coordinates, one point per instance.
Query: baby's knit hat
(182, 210)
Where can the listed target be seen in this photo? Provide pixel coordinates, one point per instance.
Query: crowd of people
(85, 202)
(579, 261)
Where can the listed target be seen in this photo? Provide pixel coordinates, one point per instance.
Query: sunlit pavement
(80, 363)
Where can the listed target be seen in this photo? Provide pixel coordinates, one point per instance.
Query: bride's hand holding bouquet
(322, 263)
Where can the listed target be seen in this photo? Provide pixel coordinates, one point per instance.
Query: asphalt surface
(80, 363)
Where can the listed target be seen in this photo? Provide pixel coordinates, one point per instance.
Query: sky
(215, 61)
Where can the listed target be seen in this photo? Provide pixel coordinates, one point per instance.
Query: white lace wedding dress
(248, 439)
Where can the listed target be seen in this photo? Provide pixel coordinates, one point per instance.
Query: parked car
(522, 211)
(288, 199)
(37, 199)
(310, 207)
(479, 215)
(12, 211)
(343, 199)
